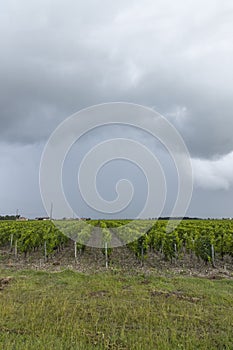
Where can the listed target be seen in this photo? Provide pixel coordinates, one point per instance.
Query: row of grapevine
(31, 236)
(206, 240)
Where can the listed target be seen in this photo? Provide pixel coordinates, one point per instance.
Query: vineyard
(164, 290)
(209, 242)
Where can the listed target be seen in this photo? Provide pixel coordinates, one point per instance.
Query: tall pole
(51, 211)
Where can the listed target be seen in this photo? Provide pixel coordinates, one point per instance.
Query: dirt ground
(92, 260)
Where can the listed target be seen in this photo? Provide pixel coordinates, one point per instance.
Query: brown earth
(92, 260)
(4, 281)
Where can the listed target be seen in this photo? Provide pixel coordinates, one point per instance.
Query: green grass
(69, 310)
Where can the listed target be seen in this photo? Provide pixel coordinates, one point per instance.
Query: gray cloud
(58, 58)
(214, 174)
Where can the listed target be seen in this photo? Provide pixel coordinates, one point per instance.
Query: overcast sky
(58, 57)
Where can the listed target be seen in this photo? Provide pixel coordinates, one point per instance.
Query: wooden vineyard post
(11, 242)
(75, 250)
(106, 254)
(142, 255)
(16, 249)
(212, 255)
(45, 251)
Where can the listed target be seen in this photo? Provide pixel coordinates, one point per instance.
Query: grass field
(113, 310)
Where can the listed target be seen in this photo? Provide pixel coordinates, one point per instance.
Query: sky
(58, 57)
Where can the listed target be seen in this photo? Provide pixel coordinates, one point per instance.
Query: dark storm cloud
(59, 57)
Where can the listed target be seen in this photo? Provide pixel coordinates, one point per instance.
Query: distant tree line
(9, 217)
